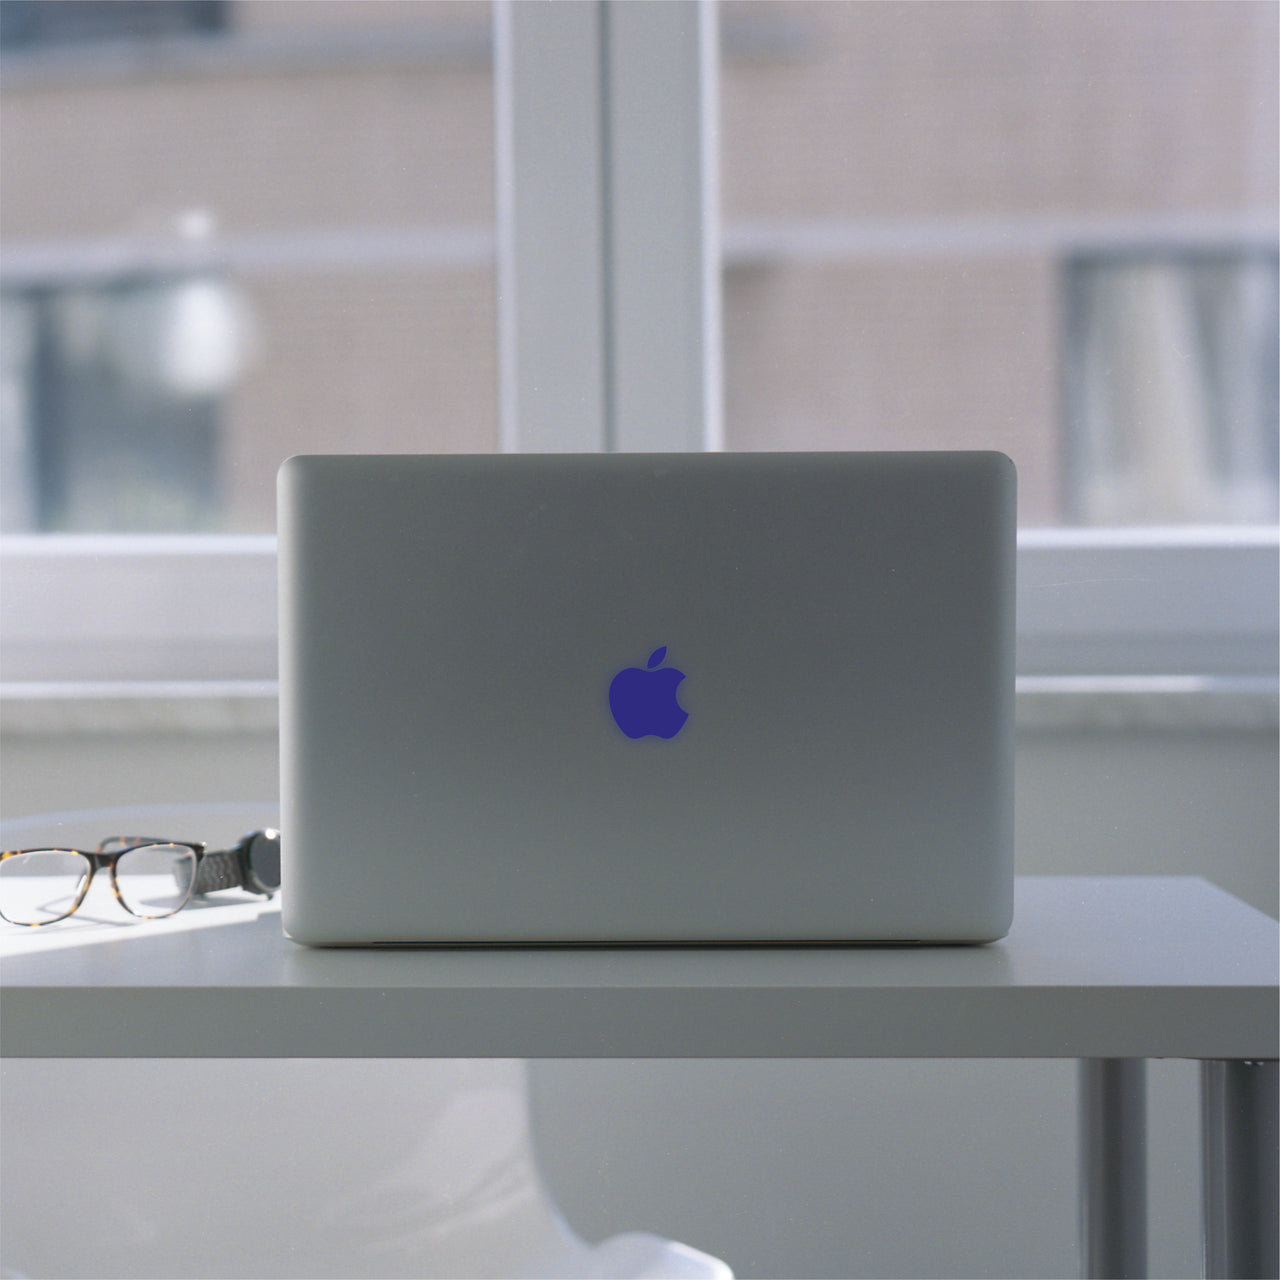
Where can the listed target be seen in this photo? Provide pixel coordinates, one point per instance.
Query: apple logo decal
(643, 700)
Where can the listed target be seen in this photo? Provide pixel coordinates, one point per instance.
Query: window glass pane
(1043, 228)
(233, 232)
(281, 214)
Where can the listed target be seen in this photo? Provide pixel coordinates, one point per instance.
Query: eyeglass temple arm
(118, 844)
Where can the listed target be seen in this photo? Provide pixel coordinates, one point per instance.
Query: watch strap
(219, 871)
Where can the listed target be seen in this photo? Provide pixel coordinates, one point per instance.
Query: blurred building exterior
(233, 231)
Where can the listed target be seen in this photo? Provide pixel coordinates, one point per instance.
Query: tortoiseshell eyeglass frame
(108, 854)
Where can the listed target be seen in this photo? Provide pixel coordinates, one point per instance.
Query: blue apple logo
(644, 703)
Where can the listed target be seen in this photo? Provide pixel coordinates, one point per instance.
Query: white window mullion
(551, 317)
(609, 262)
(663, 224)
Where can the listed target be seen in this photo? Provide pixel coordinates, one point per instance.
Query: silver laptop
(647, 698)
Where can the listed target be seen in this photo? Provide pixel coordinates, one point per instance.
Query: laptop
(647, 698)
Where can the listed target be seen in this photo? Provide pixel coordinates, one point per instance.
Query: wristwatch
(253, 864)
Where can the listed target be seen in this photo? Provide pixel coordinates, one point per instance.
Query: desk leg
(1113, 1168)
(1239, 1146)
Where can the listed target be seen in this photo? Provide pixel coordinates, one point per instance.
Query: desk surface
(1093, 967)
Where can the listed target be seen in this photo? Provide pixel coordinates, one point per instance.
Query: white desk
(1109, 970)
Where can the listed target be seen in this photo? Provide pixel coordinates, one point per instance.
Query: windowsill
(1044, 704)
(1240, 703)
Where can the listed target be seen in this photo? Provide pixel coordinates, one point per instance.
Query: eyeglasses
(150, 878)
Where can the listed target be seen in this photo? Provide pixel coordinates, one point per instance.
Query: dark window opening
(108, 425)
(26, 24)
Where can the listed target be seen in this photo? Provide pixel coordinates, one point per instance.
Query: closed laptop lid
(647, 698)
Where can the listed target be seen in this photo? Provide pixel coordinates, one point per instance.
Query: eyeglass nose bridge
(96, 860)
(84, 885)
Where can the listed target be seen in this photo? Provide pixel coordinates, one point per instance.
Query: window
(926, 220)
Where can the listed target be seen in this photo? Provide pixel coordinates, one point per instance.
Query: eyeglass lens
(42, 885)
(156, 879)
